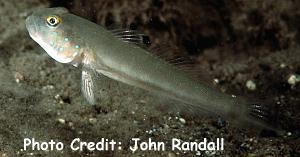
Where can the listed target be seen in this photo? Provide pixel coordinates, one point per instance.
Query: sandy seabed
(252, 41)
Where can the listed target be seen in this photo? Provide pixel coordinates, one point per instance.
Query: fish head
(51, 30)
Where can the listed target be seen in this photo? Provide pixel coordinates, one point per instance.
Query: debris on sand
(19, 77)
(251, 85)
(293, 79)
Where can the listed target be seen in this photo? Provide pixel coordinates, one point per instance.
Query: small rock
(93, 120)
(48, 87)
(282, 65)
(19, 77)
(62, 121)
(251, 85)
(252, 155)
(171, 154)
(198, 153)
(4, 155)
(43, 74)
(166, 126)
(71, 124)
(216, 81)
(293, 79)
(143, 101)
(182, 120)
(57, 96)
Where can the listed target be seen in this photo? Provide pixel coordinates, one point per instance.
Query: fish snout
(30, 25)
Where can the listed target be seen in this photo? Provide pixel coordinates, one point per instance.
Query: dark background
(234, 41)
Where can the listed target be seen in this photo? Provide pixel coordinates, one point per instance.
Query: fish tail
(259, 114)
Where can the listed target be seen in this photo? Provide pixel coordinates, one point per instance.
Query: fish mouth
(31, 25)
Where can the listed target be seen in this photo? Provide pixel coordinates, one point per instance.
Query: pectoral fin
(87, 86)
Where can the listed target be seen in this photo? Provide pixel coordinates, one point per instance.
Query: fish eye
(53, 21)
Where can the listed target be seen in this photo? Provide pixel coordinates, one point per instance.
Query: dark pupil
(52, 21)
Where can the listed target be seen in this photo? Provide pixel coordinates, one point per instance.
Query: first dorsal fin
(131, 36)
(170, 54)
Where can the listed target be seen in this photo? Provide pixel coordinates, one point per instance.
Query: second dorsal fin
(174, 56)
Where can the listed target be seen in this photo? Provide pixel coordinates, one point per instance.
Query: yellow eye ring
(53, 21)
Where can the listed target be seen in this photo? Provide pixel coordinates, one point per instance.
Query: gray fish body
(136, 66)
(99, 50)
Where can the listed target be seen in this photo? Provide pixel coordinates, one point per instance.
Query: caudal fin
(263, 115)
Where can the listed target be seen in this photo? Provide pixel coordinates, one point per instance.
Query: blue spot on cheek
(61, 49)
(51, 43)
(66, 39)
(77, 46)
(55, 33)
